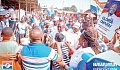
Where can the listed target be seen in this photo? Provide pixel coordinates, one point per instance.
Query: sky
(80, 4)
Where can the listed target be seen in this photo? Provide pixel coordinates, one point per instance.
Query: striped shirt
(37, 57)
(65, 57)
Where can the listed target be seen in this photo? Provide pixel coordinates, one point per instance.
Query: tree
(73, 8)
(66, 8)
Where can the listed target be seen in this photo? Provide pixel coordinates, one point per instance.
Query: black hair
(25, 18)
(59, 37)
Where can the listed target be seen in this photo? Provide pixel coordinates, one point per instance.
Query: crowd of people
(41, 41)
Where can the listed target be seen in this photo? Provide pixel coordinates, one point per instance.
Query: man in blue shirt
(37, 56)
(69, 24)
(32, 19)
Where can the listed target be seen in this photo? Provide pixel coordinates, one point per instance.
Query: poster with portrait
(109, 20)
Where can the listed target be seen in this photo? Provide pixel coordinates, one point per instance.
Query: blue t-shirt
(42, 25)
(37, 57)
(69, 27)
(32, 20)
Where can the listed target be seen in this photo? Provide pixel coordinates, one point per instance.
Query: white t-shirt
(77, 56)
(13, 16)
(67, 36)
(22, 28)
(117, 43)
(53, 28)
(36, 21)
(75, 39)
(11, 10)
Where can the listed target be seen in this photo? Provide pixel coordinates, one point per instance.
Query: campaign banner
(109, 20)
(104, 61)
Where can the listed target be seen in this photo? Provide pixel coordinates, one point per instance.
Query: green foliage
(72, 8)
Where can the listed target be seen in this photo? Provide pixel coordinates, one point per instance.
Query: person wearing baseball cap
(2, 17)
(55, 23)
(75, 34)
(76, 25)
(3, 12)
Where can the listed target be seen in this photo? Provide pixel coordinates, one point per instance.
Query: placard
(109, 19)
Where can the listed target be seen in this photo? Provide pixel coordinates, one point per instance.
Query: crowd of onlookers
(40, 41)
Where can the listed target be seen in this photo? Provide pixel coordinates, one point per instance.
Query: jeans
(12, 24)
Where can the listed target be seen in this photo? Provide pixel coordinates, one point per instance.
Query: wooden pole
(19, 10)
(26, 6)
(0, 3)
(30, 6)
(34, 7)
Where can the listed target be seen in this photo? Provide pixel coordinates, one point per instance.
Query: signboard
(109, 19)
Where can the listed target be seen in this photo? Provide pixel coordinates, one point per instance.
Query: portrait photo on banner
(109, 19)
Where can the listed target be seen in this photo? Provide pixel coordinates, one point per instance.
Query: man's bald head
(37, 27)
(7, 32)
(35, 35)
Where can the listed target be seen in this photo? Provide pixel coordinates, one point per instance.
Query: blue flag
(93, 8)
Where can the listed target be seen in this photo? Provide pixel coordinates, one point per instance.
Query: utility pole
(30, 6)
(62, 4)
(19, 10)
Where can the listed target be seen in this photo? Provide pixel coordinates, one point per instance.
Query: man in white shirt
(75, 34)
(61, 29)
(12, 17)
